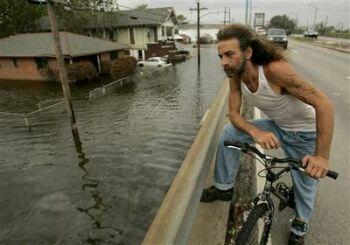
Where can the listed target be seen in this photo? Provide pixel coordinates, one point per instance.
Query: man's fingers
(313, 172)
(275, 141)
(309, 165)
(324, 173)
(318, 174)
(267, 146)
(304, 161)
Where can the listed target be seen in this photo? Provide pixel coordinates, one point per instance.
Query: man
(300, 119)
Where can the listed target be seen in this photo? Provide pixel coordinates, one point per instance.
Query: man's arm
(284, 76)
(265, 139)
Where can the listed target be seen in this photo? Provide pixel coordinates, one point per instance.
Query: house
(137, 28)
(28, 56)
(185, 38)
(206, 30)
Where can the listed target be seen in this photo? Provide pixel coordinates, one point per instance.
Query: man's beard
(236, 71)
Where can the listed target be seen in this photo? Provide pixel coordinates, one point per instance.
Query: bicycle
(262, 207)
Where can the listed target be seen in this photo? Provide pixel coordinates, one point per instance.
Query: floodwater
(133, 141)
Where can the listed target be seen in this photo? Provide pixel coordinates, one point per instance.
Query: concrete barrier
(173, 221)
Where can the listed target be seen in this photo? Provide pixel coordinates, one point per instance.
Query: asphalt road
(330, 71)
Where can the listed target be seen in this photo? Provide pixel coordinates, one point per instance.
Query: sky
(303, 10)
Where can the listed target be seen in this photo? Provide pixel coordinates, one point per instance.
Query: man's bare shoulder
(277, 68)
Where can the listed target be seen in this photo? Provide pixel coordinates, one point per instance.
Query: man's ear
(248, 53)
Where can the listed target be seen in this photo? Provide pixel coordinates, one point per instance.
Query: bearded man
(300, 119)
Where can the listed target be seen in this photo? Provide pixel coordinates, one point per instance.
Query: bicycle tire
(244, 234)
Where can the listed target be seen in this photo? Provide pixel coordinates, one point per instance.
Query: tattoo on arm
(303, 88)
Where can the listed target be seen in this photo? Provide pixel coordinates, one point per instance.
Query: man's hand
(316, 166)
(267, 140)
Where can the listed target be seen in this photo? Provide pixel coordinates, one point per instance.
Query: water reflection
(97, 207)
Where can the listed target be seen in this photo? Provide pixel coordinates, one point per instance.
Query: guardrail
(173, 222)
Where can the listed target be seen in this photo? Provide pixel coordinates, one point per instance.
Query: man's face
(232, 58)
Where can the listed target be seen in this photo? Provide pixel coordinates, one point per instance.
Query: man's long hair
(264, 51)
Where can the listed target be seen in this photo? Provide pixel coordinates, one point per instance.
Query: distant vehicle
(259, 20)
(260, 31)
(310, 33)
(154, 62)
(278, 36)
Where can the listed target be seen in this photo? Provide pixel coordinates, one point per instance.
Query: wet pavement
(108, 190)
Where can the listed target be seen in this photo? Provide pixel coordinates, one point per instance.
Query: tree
(141, 6)
(182, 19)
(84, 14)
(19, 16)
(283, 21)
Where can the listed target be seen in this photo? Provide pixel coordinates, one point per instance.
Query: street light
(316, 9)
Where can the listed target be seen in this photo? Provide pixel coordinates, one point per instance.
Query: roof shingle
(42, 45)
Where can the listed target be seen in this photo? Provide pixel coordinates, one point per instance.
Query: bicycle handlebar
(244, 147)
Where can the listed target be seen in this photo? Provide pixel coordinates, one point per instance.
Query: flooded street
(133, 142)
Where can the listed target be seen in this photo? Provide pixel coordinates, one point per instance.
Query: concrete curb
(324, 46)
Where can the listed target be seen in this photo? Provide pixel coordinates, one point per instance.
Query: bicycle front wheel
(250, 232)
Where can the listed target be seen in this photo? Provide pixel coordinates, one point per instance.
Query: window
(155, 31)
(140, 54)
(41, 62)
(169, 31)
(163, 31)
(132, 36)
(15, 62)
(113, 55)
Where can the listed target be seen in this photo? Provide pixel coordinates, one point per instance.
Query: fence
(101, 91)
(54, 103)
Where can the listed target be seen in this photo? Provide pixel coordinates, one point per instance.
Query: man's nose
(224, 61)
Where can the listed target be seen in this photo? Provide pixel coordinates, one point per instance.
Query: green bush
(123, 67)
(81, 71)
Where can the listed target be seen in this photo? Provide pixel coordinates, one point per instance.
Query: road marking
(294, 51)
(348, 77)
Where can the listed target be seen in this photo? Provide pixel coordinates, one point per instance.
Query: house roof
(42, 45)
(123, 18)
(185, 36)
(203, 26)
(152, 16)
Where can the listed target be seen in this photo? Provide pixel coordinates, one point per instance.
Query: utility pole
(246, 11)
(250, 13)
(225, 11)
(198, 9)
(62, 69)
(315, 14)
(229, 16)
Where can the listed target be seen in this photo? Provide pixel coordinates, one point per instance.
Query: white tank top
(288, 112)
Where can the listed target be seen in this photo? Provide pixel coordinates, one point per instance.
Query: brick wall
(25, 70)
(159, 49)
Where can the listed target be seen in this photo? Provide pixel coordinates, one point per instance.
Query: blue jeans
(295, 144)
